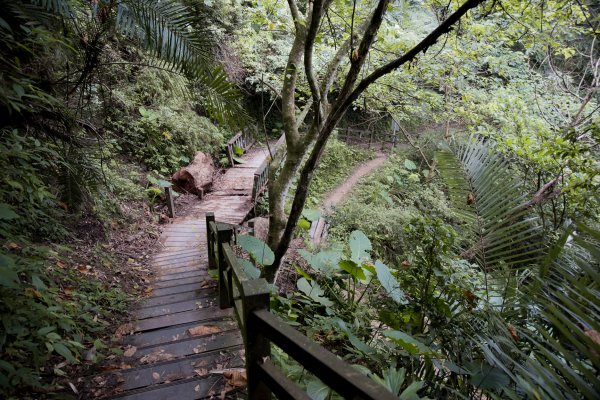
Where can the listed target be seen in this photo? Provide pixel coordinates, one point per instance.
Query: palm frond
(165, 29)
(555, 354)
(222, 100)
(79, 174)
(59, 7)
(492, 204)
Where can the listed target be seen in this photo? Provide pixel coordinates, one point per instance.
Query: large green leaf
(355, 341)
(410, 165)
(7, 213)
(317, 390)
(488, 377)
(408, 343)
(313, 291)
(64, 351)
(326, 262)
(360, 246)
(8, 276)
(238, 151)
(258, 249)
(303, 224)
(249, 268)
(389, 283)
(311, 214)
(353, 269)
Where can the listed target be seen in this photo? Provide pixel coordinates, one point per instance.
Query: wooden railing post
(169, 198)
(210, 217)
(255, 188)
(255, 297)
(224, 234)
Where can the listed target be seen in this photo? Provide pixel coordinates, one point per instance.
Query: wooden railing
(261, 175)
(242, 140)
(261, 178)
(371, 138)
(259, 327)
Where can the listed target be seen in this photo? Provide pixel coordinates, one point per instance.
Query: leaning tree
(332, 92)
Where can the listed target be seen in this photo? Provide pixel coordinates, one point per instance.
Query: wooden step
(177, 332)
(178, 297)
(185, 347)
(184, 317)
(173, 308)
(196, 366)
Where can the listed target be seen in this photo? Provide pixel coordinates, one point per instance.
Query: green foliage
(29, 202)
(383, 204)
(48, 312)
(166, 133)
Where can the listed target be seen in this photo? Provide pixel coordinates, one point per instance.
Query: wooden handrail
(250, 299)
(261, 175)
(369, 136)
(347, 381)
(243, 139)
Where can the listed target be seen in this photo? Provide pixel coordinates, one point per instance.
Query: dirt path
(341, 192)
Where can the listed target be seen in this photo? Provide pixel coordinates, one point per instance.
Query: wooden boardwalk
(180, 334)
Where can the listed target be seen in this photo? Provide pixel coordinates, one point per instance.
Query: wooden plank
(179, 246)
(196, 366)
(176, 254)
(175, 298)
(180, 318)
(195, 388)
(182, 288)
(180, 281)
(179, 275)
(172, 308)
(182, 261)
(189, 258)
(186, 347)
(177, 332)
(166, 271)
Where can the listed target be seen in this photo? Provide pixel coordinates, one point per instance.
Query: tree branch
(423, 46)
(295, 14)
(315, 15)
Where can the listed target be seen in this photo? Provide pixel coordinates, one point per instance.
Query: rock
(197, 177)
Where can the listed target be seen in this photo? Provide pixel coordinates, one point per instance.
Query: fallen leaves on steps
(201, 330)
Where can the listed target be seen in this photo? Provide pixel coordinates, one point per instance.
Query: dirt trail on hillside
(339, 193)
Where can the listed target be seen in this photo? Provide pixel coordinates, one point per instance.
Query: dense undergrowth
(92, 125)
(405, 293)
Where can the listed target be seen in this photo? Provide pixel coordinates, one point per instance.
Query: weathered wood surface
(169, 361)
